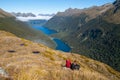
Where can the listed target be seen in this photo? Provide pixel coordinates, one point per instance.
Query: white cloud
(33, 18)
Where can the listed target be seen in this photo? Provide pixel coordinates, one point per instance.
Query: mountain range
(93, 32)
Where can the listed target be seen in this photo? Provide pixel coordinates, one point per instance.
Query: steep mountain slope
(100, 41)
(97, 37)
(4, 14)
(9, 23)
(25, 60)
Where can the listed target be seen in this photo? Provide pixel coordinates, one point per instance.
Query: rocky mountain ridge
(80, 16)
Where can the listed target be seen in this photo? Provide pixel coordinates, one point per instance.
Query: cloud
(33, 18)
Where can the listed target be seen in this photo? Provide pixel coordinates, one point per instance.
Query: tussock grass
(49, 56)
(24, 65)
(62, 56)
(24, 74)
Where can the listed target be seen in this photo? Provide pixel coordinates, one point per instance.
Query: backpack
(72, 66)
(75, 67)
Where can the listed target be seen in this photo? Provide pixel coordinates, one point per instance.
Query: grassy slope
(46, 65)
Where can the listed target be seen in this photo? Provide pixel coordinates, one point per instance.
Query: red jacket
(68, 63)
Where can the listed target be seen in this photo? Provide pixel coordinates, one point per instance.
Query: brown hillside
(4, 14)
(25, 60)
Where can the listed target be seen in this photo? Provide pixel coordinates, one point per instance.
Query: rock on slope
(25, 60)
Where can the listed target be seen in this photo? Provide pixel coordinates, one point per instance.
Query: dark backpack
(75, 67)
(72, 66)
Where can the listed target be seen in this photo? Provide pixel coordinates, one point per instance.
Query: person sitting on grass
(68, 63)
(75, 66)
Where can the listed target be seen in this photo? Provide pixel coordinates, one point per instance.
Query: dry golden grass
(23, 64)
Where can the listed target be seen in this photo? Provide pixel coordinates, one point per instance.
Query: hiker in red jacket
(68, 63)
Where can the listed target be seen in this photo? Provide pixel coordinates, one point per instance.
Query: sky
(48, 6)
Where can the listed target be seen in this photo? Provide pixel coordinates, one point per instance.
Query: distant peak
(71, 10)
(19, 14)
(46, 14)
